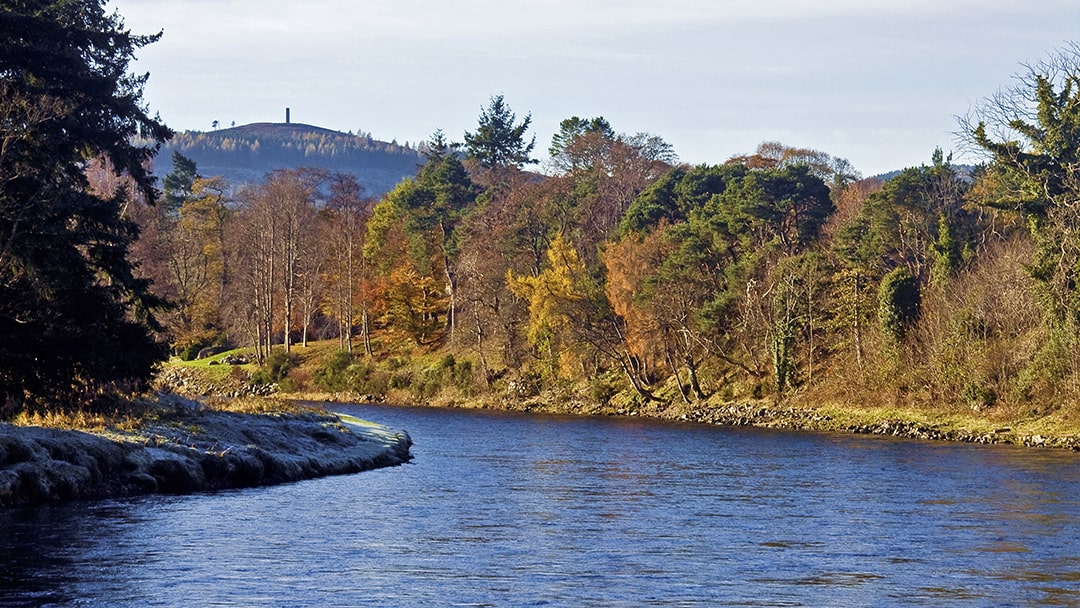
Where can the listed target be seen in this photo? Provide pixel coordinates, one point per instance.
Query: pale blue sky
(878, 83)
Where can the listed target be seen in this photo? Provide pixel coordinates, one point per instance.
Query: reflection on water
(512, 510)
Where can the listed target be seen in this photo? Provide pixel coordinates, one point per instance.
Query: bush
(189, 351)
(276, 368)
(333, 374)
(601, 390)
(898, 305)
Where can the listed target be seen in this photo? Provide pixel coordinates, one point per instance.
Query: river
(503, 509)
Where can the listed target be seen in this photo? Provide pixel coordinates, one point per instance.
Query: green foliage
(190, 351)
(898, 305)
(421, 377)
(276, 367)
(498, 142)
(179, 184)
(447, 372)
(344, 372)
(570, 149)
(74, 319)
(675, 196)
(1032, 135)
(331, 375)
(602, 389)
(917, 220)
(947, 253)
(413, 241)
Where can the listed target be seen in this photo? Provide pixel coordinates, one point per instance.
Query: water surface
(515, 510)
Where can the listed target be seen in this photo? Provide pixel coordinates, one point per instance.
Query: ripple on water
(513, 510)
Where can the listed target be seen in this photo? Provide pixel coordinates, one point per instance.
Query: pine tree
(74, 319)
(498, 143)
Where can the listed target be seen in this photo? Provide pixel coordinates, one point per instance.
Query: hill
(245, 154)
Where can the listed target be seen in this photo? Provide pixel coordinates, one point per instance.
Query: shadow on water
(50, 553)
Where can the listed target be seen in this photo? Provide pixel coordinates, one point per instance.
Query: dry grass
(137, 413)
(81, 420)
(262, 405)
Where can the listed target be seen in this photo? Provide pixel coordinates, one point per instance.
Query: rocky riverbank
(943, 425)
(748, 414)
(770, 415)
(186, 449)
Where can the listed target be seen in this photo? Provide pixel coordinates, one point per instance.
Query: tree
(498, 143)
(416, 223)
(898, 306)
(570, 320)
(568, 151)
(181, 249)
(658, 306)
(838, 173)
(349, 212)
(1031, 134)
(728, 267)
(507, 231)
(177, 185)
(272, 256)
(74, 319)
(437, 148)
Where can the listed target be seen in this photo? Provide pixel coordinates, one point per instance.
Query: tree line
(776, 271)
(615, 268)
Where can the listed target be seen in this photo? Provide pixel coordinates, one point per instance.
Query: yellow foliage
(550, 295)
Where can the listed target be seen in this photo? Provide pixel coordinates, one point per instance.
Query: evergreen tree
(74, 319)
(499, 143)
(1032, 136)
(179, 182)
(568, 151)
(415, 228)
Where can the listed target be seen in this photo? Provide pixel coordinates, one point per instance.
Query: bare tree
(348, 215)
(275, 220)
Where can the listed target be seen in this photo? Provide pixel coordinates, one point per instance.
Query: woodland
(616, 269)
(246, 153)
(613, 269)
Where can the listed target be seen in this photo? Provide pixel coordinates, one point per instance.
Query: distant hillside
(965, 172)
(247, 153)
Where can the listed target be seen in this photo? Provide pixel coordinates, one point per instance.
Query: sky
(880, 83)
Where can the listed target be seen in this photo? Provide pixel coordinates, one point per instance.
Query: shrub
(276, 368)
(898, 305)
(332, 375)
(601, 390)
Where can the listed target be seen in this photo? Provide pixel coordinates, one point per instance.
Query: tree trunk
(858, 323)
(683, 391)
(694, 382)
(366, 330)
(480, 345)
(634, 380)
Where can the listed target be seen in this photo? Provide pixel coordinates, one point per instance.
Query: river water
(515, 510)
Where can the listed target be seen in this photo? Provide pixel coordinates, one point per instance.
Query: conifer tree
(74, 319)
(499, 143)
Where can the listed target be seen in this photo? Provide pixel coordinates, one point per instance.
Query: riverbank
(183, 446)
(1036, 432)
(434, 381)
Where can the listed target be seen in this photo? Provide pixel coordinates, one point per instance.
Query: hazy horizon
(880, 86)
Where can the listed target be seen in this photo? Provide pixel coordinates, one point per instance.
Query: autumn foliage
(776, 274)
